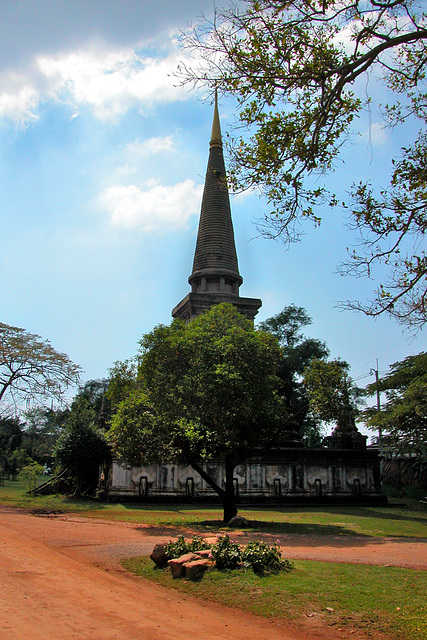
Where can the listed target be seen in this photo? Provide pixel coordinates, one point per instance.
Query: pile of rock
(193, 564)
(190, 565)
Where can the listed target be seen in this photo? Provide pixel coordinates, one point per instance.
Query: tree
(10, 435)
(331, 392)
(41, 430)
(297, 352)
(31, 370)
(82, 446)
(123, 380)
(94, 391)
(208, 391)
(30, 474)
(10, 441)
(294, 68)
(402, 419)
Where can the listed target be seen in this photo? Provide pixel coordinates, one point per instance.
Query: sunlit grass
(13, 494)
(340, 521)
(408, 520)
(386, 599)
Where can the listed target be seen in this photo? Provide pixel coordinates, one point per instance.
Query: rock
(158, 555)
(238, 522)
(188, 557)
(195, 568)
(176, 568)
(177, 564)
(204, 553)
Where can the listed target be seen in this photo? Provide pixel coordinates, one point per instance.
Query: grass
(407, 519)
(13, 494)
(375, 600)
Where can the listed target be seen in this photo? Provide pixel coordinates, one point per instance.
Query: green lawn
(402, 520)
(372, 599)
(13, 494)
(408, 519)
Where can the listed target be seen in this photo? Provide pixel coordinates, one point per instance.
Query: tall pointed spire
(215, 276)
(215, 254)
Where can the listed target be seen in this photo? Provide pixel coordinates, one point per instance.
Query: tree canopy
(297, 351)
(207, 391)
(41, 430)
(402, 419)
(82, 446)
(31, 370)
(331, 392)
(294, 67)
(10, 435)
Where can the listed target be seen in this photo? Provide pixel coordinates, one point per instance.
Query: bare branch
(31, 370)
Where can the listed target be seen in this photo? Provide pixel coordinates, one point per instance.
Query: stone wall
(285, 473)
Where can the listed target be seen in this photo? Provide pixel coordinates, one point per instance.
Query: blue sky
(102, 162)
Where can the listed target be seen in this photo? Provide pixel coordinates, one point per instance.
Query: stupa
(215, 277)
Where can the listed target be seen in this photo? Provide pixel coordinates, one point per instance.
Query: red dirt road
(60, 579)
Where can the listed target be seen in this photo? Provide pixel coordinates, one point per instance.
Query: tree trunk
(229, 500)
(227, 497)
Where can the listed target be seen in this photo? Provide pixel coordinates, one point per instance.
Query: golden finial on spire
(216, 138)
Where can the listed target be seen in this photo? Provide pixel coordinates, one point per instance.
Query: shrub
(29, 475)
(261, 558)
(226, 553)
(181, 546)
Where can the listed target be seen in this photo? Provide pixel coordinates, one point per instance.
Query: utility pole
(376, 372)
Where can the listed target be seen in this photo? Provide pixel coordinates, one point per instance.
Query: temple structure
(215, 277)
(344, 471)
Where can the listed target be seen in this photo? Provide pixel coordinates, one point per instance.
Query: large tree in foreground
(207, 391)
(32, 372)
(296, 68)
(402, 420)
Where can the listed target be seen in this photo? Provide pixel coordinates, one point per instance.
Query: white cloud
(241, 196)
(155, 208)
(108, 82)
(150, 146)
(29, 28)
(18, 99)
(136, 154)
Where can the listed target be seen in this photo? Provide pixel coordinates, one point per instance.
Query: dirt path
(410, 553)
(60, 579)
